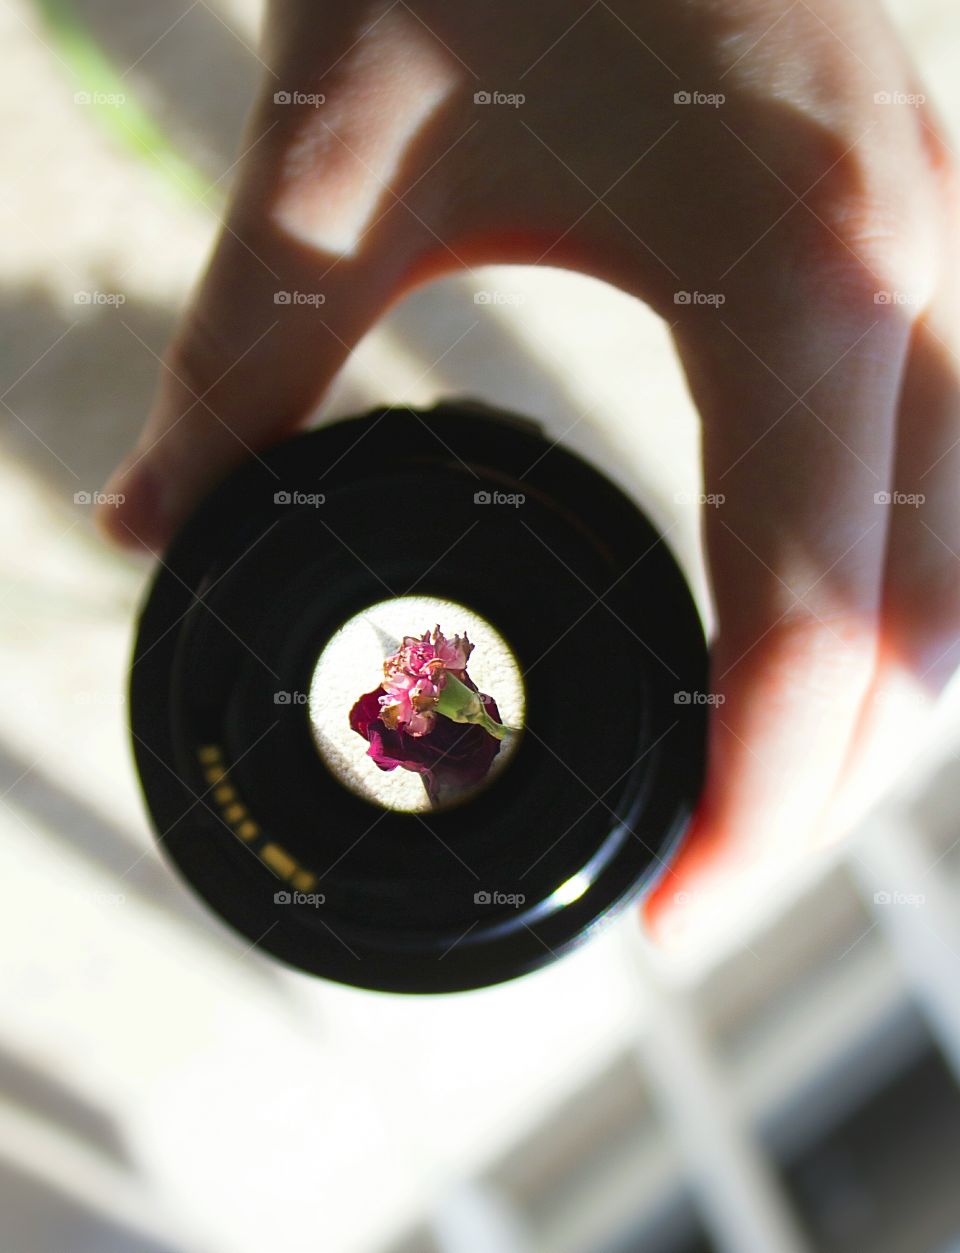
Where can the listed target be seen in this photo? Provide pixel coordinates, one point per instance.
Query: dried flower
(427, 716)
(414, 677)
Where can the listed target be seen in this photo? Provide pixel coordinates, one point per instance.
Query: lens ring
(527, 535)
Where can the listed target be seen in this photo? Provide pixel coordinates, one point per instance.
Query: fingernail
(668, 909)
(134, 513)
(666, 918)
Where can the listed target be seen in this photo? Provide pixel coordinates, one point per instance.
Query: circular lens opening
(436, 725)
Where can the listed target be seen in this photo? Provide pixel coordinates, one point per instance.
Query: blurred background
(164, 1087)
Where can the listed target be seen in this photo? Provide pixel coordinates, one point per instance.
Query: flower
(414, 677)
(427, 716)
(452, 758)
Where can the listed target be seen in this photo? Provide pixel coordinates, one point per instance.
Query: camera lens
(276, 607)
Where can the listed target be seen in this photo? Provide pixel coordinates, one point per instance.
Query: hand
(822, 212)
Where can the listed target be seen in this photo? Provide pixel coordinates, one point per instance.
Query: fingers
(321, 236)
(797, 391)
(243, 367)
(920, 628)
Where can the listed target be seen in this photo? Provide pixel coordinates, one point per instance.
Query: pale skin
(800, 198)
